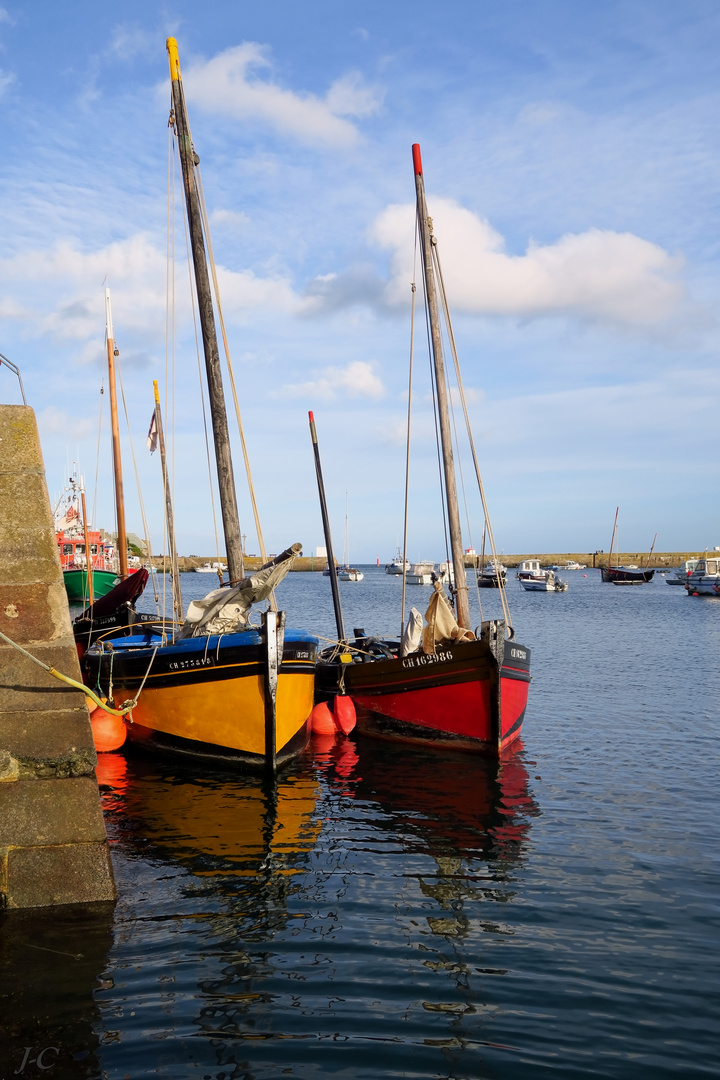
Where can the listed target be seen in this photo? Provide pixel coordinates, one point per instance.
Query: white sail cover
(226, 611)
(412, 633)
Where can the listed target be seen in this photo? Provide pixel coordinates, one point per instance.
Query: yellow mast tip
(171, 46)
(157, 395)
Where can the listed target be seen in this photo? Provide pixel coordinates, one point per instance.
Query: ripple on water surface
(394, 912)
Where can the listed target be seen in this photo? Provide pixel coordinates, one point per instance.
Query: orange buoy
(322, 721)
(109, 732)
(344, 713)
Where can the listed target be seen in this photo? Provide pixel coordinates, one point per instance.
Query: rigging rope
(413, 286)
(97, 453)
(202, 388)
(169, 328)
(231, 373)
(435, 409)
(463, 400)
(143, 517)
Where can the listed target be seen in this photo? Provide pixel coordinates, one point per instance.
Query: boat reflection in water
(457, 807)
(214, 825)
(248, 931)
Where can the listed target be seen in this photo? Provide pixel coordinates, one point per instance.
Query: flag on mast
(152, 436)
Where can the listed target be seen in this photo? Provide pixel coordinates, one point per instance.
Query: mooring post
(274, 632)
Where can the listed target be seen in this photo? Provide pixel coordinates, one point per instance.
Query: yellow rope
(123, 711)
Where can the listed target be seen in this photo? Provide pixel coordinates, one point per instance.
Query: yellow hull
(227, 713)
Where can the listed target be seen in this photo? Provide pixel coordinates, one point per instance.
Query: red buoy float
(321, 720)
(344, 713)
(327, 721)
(109, 732)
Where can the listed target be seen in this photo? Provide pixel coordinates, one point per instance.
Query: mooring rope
(124, 709)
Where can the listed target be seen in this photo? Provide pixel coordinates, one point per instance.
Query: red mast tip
(417, 160)
(312, 418)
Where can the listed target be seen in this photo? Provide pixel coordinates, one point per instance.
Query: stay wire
(143, 516)
(451, 404)
(413, 286)
(231, 374)
(435, 409)
(97, 453)
(200, 379)
(491, 538)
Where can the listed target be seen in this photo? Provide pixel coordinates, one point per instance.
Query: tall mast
(612, 538)
(221, 435)
(456, 545)
(117, 462)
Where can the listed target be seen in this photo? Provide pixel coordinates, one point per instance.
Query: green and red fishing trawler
(442, 684)
(81, 547)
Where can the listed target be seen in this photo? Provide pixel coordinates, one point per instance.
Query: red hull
(453, 699)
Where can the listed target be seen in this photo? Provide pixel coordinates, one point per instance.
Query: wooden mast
(177, 595)
(223, 459)
(456, 545)
(612, 538)
(117, 462)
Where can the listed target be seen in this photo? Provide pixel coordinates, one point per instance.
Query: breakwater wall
(53, 846)
(252, 562)
(659, 559)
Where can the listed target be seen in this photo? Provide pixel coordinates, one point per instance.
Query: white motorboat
(570, 565)
(210, 568)
(682, 572)
(420, 573)
(546, 581)
(705, 578)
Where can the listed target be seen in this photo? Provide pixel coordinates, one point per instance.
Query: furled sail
(226, 611)
(442, 625)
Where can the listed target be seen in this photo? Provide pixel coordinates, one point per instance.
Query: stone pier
(53, 846)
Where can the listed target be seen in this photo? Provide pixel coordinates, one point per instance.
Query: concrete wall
(53, 846)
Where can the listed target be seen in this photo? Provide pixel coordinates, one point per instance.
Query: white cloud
(229, 219)
(129, 42)
(229, 85)
(52, 421)
(358, 379)
(5, 17)
(597, 275)
(71, 289)
(6, 79)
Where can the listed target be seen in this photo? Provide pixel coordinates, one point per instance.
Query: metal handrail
(16, 371)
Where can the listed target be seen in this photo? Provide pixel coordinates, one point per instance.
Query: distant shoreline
(660, 560)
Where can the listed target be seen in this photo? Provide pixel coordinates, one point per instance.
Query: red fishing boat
(443, 685)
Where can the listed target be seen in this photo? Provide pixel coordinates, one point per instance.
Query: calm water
(388, 912)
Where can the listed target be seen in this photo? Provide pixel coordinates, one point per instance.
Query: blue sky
(571, 159)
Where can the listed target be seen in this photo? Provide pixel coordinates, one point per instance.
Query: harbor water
(396, 912)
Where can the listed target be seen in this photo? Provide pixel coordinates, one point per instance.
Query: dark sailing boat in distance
(625, 575)
(456, 690)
